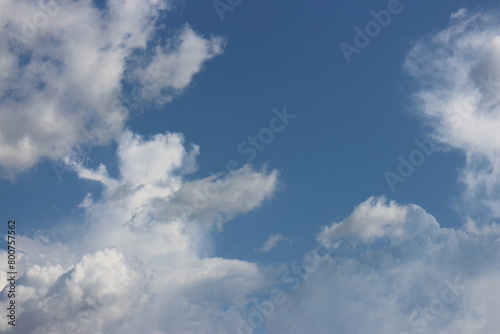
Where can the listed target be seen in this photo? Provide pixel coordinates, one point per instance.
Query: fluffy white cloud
(62, 64)
(393, 268)
(137, 262)
(221, 197)
(141, 259)
(421, 279)
(458, 70)
(161, 278)
(173, 66)
(372, 219)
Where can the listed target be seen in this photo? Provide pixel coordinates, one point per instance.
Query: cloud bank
(393, 269)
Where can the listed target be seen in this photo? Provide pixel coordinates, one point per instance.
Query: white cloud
(371, 219)
(219, 198)
(174, 65)
(273, 242)
(424, 278)
(142, 258)
(458, 71)
(481, 229)
(393, 268)
(61, 70)
(135, 263)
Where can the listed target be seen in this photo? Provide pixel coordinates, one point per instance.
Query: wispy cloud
(273, 242)
(458, 72)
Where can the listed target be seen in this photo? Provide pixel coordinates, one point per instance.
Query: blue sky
(319, 181)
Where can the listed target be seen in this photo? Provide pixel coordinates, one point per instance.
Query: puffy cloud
(160, 278)
(151, 188)
(62, 65)
(221, 197)
(137, 262)
(73, 300)
(273, 242)
(392, 268)
(372, 219)
(424, 278)
(482, 229)
(458, 72)
(173, 66)
(141, 259)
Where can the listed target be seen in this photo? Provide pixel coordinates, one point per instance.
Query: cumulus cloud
(62, 65)
(404, 275)
(273, 242)
(458, 72)
(136, 262)
(392, 268)
(142, 258)
(173, 66)
(139, 269)
(371, 219)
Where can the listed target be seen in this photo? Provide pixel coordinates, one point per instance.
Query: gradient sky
(107, 215)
